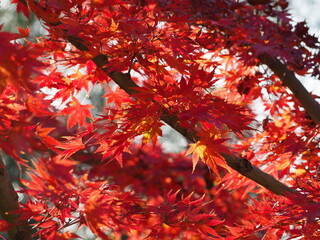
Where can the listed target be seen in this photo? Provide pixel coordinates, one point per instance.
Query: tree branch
(8, 203)
(241, 165)
(289, 79)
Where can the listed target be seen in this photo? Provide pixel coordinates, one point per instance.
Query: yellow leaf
(113, 26)
(197, 151)
(299, 172)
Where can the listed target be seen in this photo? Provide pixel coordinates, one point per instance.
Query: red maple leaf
(77, 113)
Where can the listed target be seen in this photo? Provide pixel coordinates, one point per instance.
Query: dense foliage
(222, 73)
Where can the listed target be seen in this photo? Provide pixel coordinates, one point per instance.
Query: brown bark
(8, 203)
(289, 80)
(243, 166)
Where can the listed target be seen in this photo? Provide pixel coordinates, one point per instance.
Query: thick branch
(289, 79)
(9, 202)
(243, 166)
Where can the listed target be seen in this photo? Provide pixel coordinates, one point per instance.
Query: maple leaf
(151, 130)
(198, 151)
(71, 146)
(22, 7)
(119, 209)
(189, 214)
(117, 96)
(24, 32)
(49, 141)
(94, 218)
(77, 113)
(208, 149)
(38, 106)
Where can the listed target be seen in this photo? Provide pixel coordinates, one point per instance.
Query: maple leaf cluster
(196, 66)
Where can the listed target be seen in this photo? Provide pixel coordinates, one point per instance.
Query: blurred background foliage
(10, 19)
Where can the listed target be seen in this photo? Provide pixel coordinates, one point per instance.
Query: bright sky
(308, 10)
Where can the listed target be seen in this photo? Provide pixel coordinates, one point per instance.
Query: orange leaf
(94, 214)
(71, 146)
(24, 32)
(197, 151)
